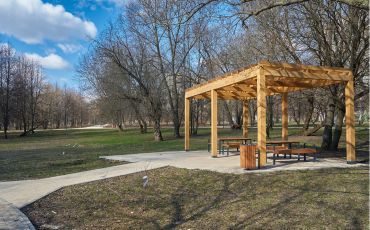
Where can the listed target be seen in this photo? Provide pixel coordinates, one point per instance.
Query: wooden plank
(350, 122)
(214, 123)
(187, 124)
(289, 74)
(221, 82)
(236, 93)
(238, 88)
(284, 116)
(303, 83)
(300, 67)
(261, 114)
(245, 118)
(202, 96)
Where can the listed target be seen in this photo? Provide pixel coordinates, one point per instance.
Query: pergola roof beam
(221, 82)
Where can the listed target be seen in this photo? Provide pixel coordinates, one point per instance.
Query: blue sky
(55, 32)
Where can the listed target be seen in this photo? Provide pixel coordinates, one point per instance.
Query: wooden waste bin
(248, 156)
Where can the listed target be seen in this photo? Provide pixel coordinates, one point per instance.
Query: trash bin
(248, 156)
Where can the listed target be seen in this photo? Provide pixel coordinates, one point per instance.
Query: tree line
(28, 102)
(142, 63)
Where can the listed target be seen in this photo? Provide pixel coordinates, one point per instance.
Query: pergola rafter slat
(264, 79)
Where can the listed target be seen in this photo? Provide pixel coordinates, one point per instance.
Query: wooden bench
(305, 152)
(299, 152)
(229, 145)
(281, 150)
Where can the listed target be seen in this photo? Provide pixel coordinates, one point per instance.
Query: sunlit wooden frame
(264, 79)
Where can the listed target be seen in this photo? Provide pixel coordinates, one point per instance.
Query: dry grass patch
(196, 199)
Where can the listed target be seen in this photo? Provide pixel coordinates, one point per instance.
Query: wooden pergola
(264, 79)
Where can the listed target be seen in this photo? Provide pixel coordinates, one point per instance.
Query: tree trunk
(329, 120)
(176, 125)
(270, 112)
(252, 113)
(143, 126)
(310, 132)
(338, 129)
(228, 115)
(120, 126)
(194, 117)
(270, 115)
(157, 130)
(308, 117)
(238, 114)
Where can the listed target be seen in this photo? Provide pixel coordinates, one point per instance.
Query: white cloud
(70, 48)
(51, 61)
(116, 2)
(33, 21)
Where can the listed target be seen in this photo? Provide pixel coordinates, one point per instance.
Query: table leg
(220, 148)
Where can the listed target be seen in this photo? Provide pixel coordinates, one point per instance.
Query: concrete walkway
(202, 160)
(12, 218)
(21, 193)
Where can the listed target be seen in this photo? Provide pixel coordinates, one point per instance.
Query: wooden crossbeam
(289, 74)
(237, 87)
(299, 83)
(221, 82)
(300, 67)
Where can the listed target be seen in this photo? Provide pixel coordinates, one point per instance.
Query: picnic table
(230, 143)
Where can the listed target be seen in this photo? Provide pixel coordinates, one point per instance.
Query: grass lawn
(196, 199)
(58, 152)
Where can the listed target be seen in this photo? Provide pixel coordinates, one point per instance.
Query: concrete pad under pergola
(264, 79)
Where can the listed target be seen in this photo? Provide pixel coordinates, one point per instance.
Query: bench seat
(281, 150)
(299, 152)
(305, 152)
(229, 145)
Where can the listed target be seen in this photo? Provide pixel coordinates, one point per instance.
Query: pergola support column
(187, 124)
(245, 118)
(261, 114)
(350, 122)
(214, 123)
(284, 116)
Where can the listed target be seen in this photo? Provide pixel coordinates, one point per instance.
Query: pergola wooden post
(187, 124)
(266, 79)
(350, 122)
(214, 101)
(284, 116)
(261, 114)
(245, 118)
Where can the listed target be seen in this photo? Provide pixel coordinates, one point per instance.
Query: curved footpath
(12, 218)
(17, 194)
